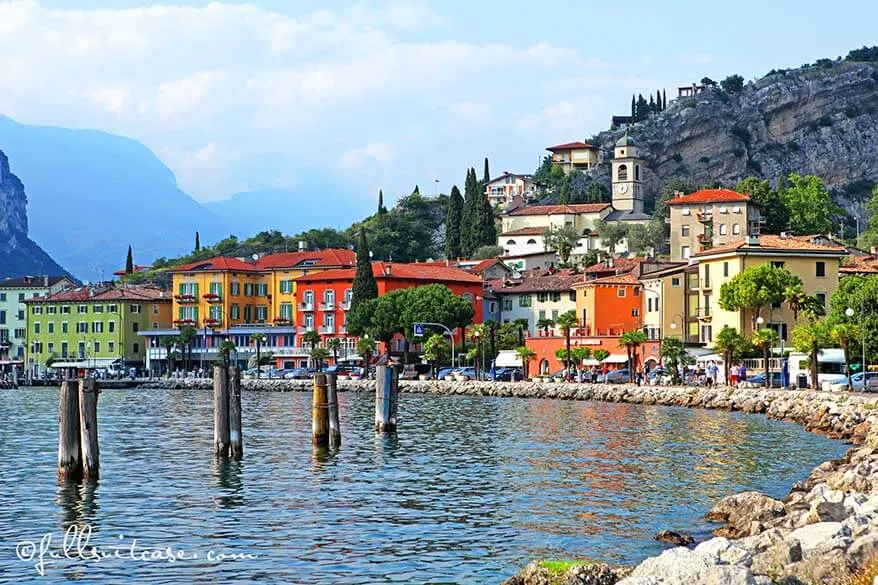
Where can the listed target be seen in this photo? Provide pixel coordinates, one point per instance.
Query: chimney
(678, 194)
(302, 244)
(388, 269)
(874, 250)
(46, 280)
(752, 240)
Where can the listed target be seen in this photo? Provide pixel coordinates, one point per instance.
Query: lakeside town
(536, 309)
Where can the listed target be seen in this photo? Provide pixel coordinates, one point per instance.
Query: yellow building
(664, 302)
(816, 264)
(575, 156)
(708, 218)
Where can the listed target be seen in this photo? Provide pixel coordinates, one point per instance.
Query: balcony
(342, 330)
(304, 330)
(282, 321)
(705, 216)
(306, 306)
(184, 322)
(185, 299)
(327, 329)
(213, 323)
(346, 305)
(330, 306)
(213, 298)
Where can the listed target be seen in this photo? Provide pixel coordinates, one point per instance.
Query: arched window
(636, 172)
(510, 242)
(736, 229)
(622, 173)
(723, 229)
(531, 241)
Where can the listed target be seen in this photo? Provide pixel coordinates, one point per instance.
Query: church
(522, 228)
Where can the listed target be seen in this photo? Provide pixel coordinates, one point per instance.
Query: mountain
(92, 194)
(820, 119)
(19, 255)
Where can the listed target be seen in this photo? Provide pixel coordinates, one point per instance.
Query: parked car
(445, 372)
(342, 369)
(414, 371)
(871, 382)
(618, 376)
(508, 374)
(759, 379)
(301, 374)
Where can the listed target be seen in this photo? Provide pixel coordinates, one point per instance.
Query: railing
(327, 329)
(185, 298)
(342, 330)
(303, 330)
(345, 305)
(329, 306)
(705, 216)
(213, 298)
(306, 306)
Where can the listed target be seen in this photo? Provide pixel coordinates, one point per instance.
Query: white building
(538, 294)
(502, 190)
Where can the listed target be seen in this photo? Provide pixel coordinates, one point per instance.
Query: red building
(324, 297)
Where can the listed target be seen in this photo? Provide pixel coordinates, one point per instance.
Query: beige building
(710, 218)
(817, 264)
(575, 156)
(502, 190)
(522, 228)
(664, 302)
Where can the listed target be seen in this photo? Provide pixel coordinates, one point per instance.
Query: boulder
(829, 568)
(776, 557)
(863, 549)
(674, 538)
(819, 538)
(724, 552)
(829, 507)
(533, 574)
(740, 511)
(681, 566)
(592, 574)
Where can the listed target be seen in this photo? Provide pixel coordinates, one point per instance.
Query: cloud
(213, 88)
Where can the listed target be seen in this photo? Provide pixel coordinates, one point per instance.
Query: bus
(830, 367)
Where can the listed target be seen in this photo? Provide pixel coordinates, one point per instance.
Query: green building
(13, 318)
(93, 327)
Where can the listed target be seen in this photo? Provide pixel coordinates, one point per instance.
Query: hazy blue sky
(249, 95)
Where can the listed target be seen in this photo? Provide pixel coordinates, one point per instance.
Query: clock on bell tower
(627, 177)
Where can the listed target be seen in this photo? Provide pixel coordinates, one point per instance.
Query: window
(111, 326)
(636, 292)
(541, 315)
(81, 348)
(135, 327)
(97, 309)
(50, 327)
(649, 304)
(555, 296)
(261, 312)
(684, 231)
(51, 310)
(572, 295)
(65, 309)
(155, 309)
(20, 333)
(821, 269)
(248, 289)
(725, 268)
(492, 307)
(112, 309)
(2, 317)
(687, 211)
(531, 242)
(723, 229)
(111, 346)
(706, 282)
(97, 347)
(215, 288)
(81, 327)
(554, 314)
(51, 347)
(622, 173)
(621, 292)
(286, 311)
(308, 297)
(136, 348)
(507, 304)
(64, 349)
(822, 298)
(135, 309)
(510, 242)
(82, 309)
(36, 328)
(777, 264)
(736, 229)
(286, 286)
(329, 298)
(541, 297)
(524, 301)
(248, 313)
(261, 290)
(20, 297)
(236, 288)
(20, 315)
(635, 312)
(37, 311)
(675, 282)
(684, 252)
(235, 312)
(3, 297)
(64, 327)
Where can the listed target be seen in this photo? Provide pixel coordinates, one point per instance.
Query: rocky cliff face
(819, 120)
(19, 255)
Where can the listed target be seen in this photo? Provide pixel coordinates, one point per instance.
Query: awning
(91, 364)
(697, 352)
(710, 357)
(507, 359)
(591, 362)
(616, 358)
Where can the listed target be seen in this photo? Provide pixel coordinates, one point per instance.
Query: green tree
(526, 355)
(674, 185)
(318, 355)
(845, 334)
(755, 287)
(129, 262)
(561, 239)
(731, 345)
(601, 354)
(333, 345)
(870, 236)
(859, 293)
(765, 339)
(381, 208)
(811, 208)
(522, 325)
(633, 106)
(364, 287)
(226, 349)
(197, 242)
(452, 224)
(772, 207)
(642, 237)
(732, 83)
(611, 233)
(664, 100)
(483, 252)
(169, 342)
(566, 322)
(366, 349)
(631, 341)
(486, 174)
(469, 220)
(544, 325)
(673, 356)
(187, 338)
(312, 338)
(508, 336)
(810, 338)
(436, 350)
(581, 354)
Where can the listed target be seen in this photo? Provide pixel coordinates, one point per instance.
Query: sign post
(419, 332)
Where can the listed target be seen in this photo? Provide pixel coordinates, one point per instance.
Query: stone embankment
(825, 530)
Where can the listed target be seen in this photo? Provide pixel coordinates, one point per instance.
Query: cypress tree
(658, 101)
(452, 224)
(651, 103)
(417, 191)
(664, 100)
(633, 107)
(364, 287)
(381, 208)
(129, 262)
(486, 176)
(486, 234)
(197, 242)
(469, 221)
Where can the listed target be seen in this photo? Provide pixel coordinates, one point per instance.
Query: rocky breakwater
(254, 385)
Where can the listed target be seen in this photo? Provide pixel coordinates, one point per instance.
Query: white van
(830, 367)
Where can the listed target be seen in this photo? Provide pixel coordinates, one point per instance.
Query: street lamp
(674, 324)
(259, 338)
(850, 313)
(478, 337)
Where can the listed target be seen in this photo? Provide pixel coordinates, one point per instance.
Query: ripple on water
(469, 490)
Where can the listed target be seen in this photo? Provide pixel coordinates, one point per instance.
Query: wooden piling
(386, 386)
(236, 436)
(69, 450)
(88, 425)
(320, 413)
(220, 411)
(332, 399)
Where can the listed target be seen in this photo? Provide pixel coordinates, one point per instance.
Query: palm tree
(730, 344)
(226, 348)
(525, 354)
(581, 354)
(631, 341)
(810, 338)
(674, 354)
(566, 322)
(318, 354)
(765, 339)
(844, 334)
(796, 298)
(366, 347)
(168, 342)
(187, 336)
(545, 324)
(334, 345)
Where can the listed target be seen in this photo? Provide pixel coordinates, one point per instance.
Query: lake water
(468, 491)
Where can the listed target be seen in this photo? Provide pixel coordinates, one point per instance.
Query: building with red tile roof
(575, 155)
(709, 196)
(710, 218)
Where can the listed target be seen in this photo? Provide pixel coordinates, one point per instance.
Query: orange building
(610, 305)
(324, 297)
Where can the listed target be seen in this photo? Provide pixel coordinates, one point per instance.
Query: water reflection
(466, 490)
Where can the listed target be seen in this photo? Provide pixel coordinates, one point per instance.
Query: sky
(239, 96)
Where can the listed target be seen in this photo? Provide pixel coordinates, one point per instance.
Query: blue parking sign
(419, 329)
